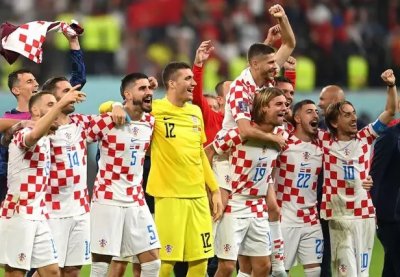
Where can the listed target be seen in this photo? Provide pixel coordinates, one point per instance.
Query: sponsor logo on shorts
(102, 243)
(169, 248)
(227, 248)
(21, 257)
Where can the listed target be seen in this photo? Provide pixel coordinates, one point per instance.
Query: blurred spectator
(137, 35)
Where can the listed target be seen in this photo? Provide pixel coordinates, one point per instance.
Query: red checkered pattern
(67, 191)
(240, 99)
(296, 177)
(122, 151)
(278, 250)
(346, 164)
(28, 174)
(28, 38)
(250, 171)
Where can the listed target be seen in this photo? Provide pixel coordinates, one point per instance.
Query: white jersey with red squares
(296, 175)
(67, 193)
(346, 165)
(27, 179)
(122, 150)
(251, 165)
(239, 100)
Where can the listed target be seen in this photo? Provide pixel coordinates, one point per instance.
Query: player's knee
(226, 266)
(312, 271)
(151, 269)
(71, 271)
(261, 267)
(52, 271)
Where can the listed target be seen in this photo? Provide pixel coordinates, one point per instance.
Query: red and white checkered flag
(27, 39)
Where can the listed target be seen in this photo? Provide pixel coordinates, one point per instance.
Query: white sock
(99, 269)
(241, 274)
(277, 255)
(150, 269)
(312, 272)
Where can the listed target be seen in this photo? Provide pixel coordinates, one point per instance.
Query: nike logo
(260, 159)
(167, 118)
(304, 164)
(206, 251)
(153, 242)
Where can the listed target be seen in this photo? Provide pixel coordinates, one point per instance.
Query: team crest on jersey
(168, 248)
(68, 135)
(227, 248)
(347, 151)
(21, 257)
(102, 243)
(196, 124)
(306, 155)
(135, 131)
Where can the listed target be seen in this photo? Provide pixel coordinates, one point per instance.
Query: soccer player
(121, 223)
(297, 170)
(244, 228)
(67, 197)
(178, 174)
(345, 203)
(22, 84)
(26, 238)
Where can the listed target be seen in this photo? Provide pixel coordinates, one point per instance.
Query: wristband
(392, 85)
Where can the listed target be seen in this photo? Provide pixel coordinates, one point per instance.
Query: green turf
(375, 269)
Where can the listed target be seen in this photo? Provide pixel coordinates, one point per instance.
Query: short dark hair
(13, 77)
(300, 104)
(257, 49)
(283, 79)
(170, 70)
(262, 99)
(130, 79)
(36, 97)
(332, 114)
(219, 88)
(50, 84)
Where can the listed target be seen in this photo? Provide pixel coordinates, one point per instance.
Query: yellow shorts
(184, 226)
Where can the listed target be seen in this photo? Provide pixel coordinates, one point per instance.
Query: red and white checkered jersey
(28, 175)
(122, 150)
(239, 100)
(67, 193)
(346, 164)
(296, 176)
(251, 165)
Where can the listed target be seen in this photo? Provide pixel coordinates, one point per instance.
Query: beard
(142, 105)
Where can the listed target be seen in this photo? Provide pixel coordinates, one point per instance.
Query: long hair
(261, 100)
(332, 114)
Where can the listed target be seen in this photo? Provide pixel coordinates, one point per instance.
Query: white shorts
(304, 243)
(122, 231)
(131, 259)
(221, 168)
(351, 246)
(26, 244)
(72, 238)
(244, 236)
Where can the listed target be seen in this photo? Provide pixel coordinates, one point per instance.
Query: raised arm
(78, 69)
(43, 125)
(202, 55)
(391, 100)
(288, 38)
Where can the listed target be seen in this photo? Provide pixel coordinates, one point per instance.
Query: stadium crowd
(248, 180)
